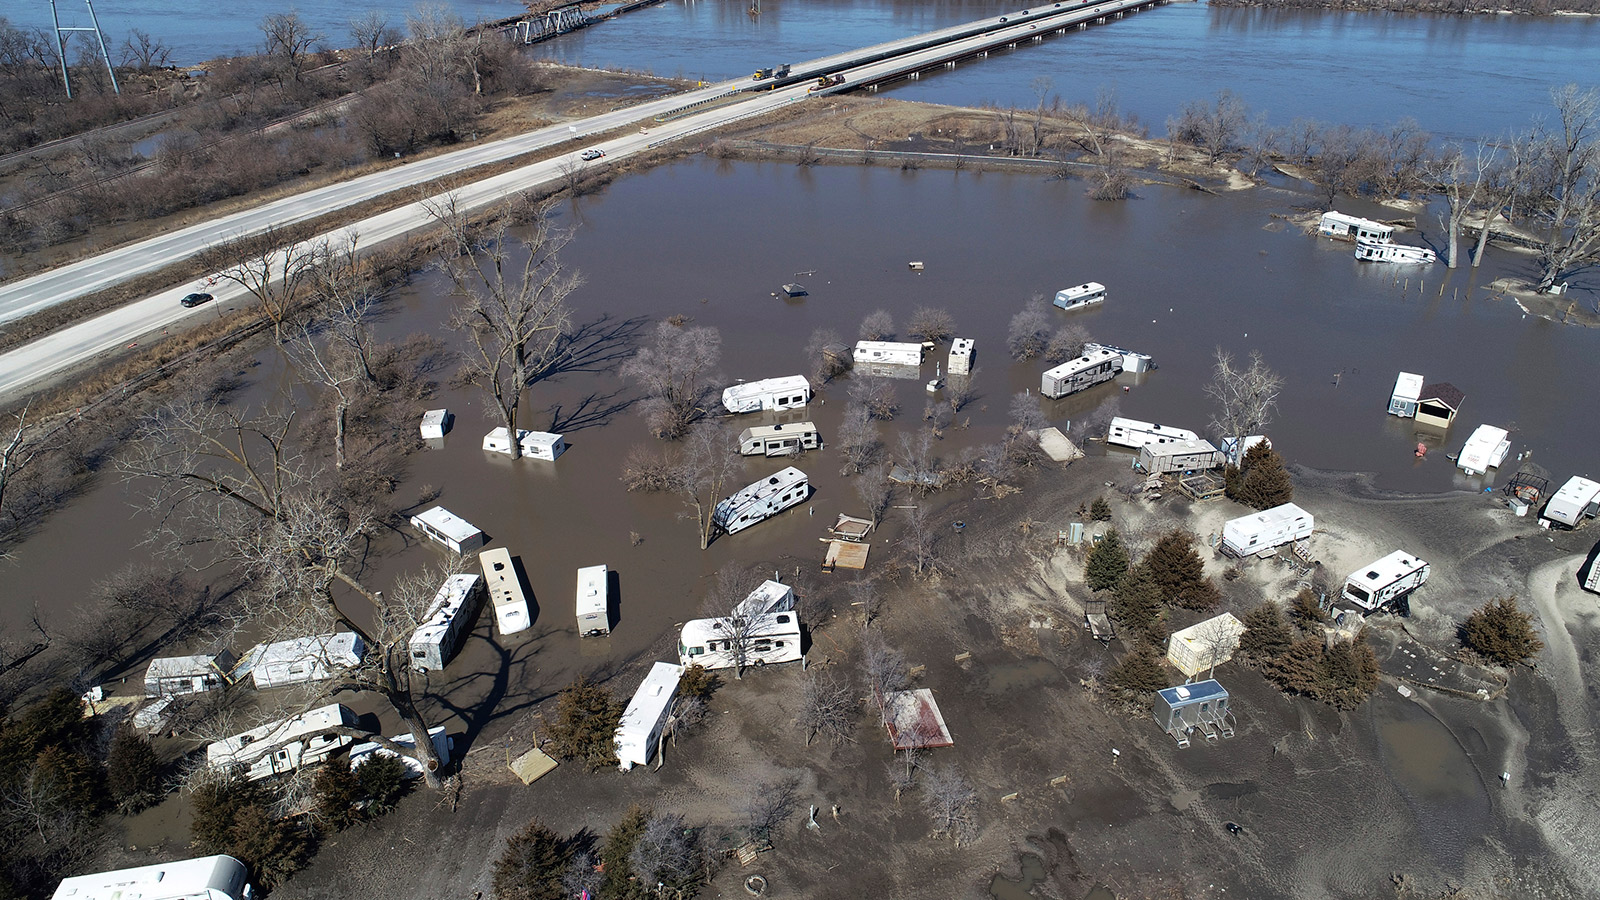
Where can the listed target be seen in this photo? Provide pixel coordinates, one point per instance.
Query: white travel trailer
(447, 624)
(535, 444)
(1384, 251)
(719, 643)
(1375, 586)
(1088, 370)
(1486, 449)
(639, 730)
(1134, 434)
(285, 745)
(442, 745)
(1233, 449)
(510, 602)
(442, 525)
(300, 660)
(1577, 500)
(759, 501)
(594, 614)
(435, 422)
(1133, 363)
(1353, 228)
(779, 440)
(206, 878)
(1081, 295)
(770, 597)
(1407, 392)
(169, 676)
(788, 392)
(1179, 456)
(961, 350)
(1589, 570)
(893, 353)
(1264, 532)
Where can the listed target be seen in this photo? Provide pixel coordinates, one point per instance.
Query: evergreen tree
(1349, 673)
(1107, 563)
(133, 771)
(1261, 481)
(586, 725)
(1100, 510)
(1138, 674)
(1501, 631)
(1305, 612)
(338, 792)
(1180, 573)
(531, 867)
(383, 781)
(1137, 605)
(616, 855)
(1266, 634)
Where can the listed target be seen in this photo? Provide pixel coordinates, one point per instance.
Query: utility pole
(61, 46)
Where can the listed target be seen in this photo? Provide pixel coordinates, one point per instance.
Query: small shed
(1187, 708)
(914, 720)
(1407, 391)
(1179, 456)
(1438, 403)
(642, 722)
(445, 527)
(1204, 645)
(169, 676)
(435, 423)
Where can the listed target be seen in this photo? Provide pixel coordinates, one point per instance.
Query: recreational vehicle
(169, 676)
(1577, 500)
(961, 350)
(594, 615)
(447, 528)
(535, 444)
(509, 601)
(1133, 363)
(892, 353)
(779, 440)
(1179, 456)
(788, 392)
(1134, 434)
(448, 620)
(1204, 645)
(1263, 532)
(1407, 392)
(1201, 706)
(206, 878)
(1485, 450)
(765, 498)
(1386, 581)
(1589, 570)
(435, 422)
(301, 660)
(1081, 296)
(639, 731)
(1233, 449)
(1353, 228)
(1088, 370)
(285, 745)
(720, 643)
(442, 745)
(770, 597)
(1384, 251)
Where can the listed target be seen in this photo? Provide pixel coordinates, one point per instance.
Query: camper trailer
(594, 615)
(788, 392)
(719, 643)
(1233, 449)
(1263, 532)
(1577, 500)
(435, 422)
(779, 440)
(1134, 434)
(1386, 581)
(442, 745)
(169, 676)
(302, 660)
(449, 619)
(961, 350)
(892, 353)
(1385, 251)
(770, 597)
(285, 745)
(1589, 570)
(535, 444)
(1202, 706)
(1353, 228)
(1407, 392)
(759, 501)
(1179, 456)
(1080, 296)
(206, 878)
(506, 596)
(1485, 450)
(1204, 645)
(447, 528)
(1088, 370)
(1133, 363)
(639, 731)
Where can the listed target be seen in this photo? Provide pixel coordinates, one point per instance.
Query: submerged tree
(1246, 397)
(675, 371)
(708, 470)
(1565, 190)
(1029, 334)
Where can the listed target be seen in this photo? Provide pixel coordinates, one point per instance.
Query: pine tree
(1107, 564)
(1305, 612)
(133, 771)
(1100, 510)
(1139, 673)
(531, 867)
(1262, 481)
(1180, 573)
(586, 725)
(338, 792)
(1266, 634)
(616, 854)
(1349, 673)
(1501, 631)
(1137, 605)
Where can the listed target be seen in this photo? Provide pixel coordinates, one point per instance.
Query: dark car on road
(194, 300)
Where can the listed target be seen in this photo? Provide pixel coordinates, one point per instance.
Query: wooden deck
(845, 555)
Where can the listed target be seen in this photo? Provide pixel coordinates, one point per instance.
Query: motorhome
(1486, 449)
(779, 440)
(1179, 456)
(435, 423)
(761, 500)
(205, 878)
(892, 353)
(301, 660)
(1353, 228)
(961, 351)
(1577, 500)
(447, 528)
(1132, 362)
(1134, 434)
(448, 622)
(722, 643)
(1389, 580)
(443, 744)
(169, 676)
(1384, 251)
(506, 596)
(285, 745)
(639, 731)
(1092, 368)
(770, 597)
(1407, 392)
(1263, 532)
(1080, 296)
(535, 444)
(594, 613)
(788, 392)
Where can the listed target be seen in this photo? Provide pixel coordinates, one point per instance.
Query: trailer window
(1357, 593)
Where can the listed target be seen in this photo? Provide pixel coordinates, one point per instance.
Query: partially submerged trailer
(1133, 362)
(535, 444)
(1134, 434)
(284, 745)
(779, 440)
(317, 657)
(1092, 368)
(1179, 456)
(1389, 580)
(1486, 449)
(1407, 393)
(1079, 296)
(594, 613)
(1390, 252)
(506, 596)
(894, 353)
(442, 745)
(435, 423)
(770, 597)
(639, 731)
(960, 362)
(445, 527)
(720, 643)
(1353, 228)
(761, 500)
(788, 392)
(1263, 532)
(169, 676)
(1589, 570)
(204, 878)
(448, 621)
(1577, 500)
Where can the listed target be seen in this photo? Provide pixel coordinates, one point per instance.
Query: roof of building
(1192, 693)
(1444, 392)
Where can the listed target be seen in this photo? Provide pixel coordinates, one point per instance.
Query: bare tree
(1246, 397)
(858, 437)
(959, 390)
(931, 324)
(1025, 412)
(268, 265)
(144, 52)
(1214, 127)
(289, 37)
(875, 394)
(710, 466)
(1463, 183)
(951, 803)
(674, 370)
(877, 326)
(865, 594)
(1043, 88)
(771, 804)
(874, 489)
(883, 667)
(829, 355)
(915, 453)
(921, 540)
(13, 458)
(1216, 641)
(827, 707)
(902, 771)
(669, 854)
(1567, 200)
(370, 32)
(1029, 334)
(344, 285)
(1067, 343)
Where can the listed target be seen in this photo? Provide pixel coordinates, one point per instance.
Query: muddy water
(1443, 789)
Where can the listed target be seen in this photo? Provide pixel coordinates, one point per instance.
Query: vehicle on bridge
(770, 72)
(826, 81)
